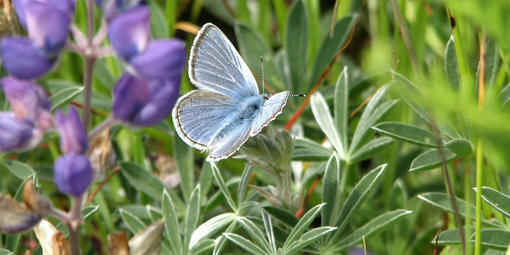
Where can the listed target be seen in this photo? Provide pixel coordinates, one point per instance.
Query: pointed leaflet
(268, 226)
(308, 150)
(451, 65)
(323, 117)
(307, 238)
(296, 47)
(357, 195)
(134, 224)
(192, 215)
(431, 159)
(330, 183)
(302, 225)
(223, 187)
(245, 244)
(371, 148)
(371, 227)
(408, 133)
(172, 227)
(341, 107)
(210, 227)
(255, 233)
(184, 159)
(498, 200)
(243, 184)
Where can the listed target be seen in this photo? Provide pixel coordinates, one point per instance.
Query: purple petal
(47, 26)
(19, 8)
(22, 59)
(27, 99)
(129, 97)
(73, 174)
(129, 32)
(14, 134)
(163, 95)
(163, 59)
(73, 138)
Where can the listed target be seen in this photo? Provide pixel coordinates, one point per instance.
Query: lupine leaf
(172, 227)
(330, 183)
(302, 225)
(297, 44)
(498, 200)
(308, 150)
(323, 117)
(210, 227)
(431, 159)
(408, 133)
(245, 244)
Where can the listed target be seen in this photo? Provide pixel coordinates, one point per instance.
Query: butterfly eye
(266, 96)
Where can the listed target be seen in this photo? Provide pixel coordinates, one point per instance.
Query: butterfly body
(227, 108)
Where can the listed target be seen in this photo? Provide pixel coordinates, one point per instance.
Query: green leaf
(330, 183)
(504, 97)
(5, 252)
(223, 187)
(357, 195)
(252, 47)
(308, 238)
(244, 243)
(498, 200)
(19, 169)
(451, 65)
(282, 215)
(243, 184)
(158, 21)
(103, 74)
(323, 117)
(297, 44)
(495, 238)
(371, 148)
(491, 62)
(408, 133)
(302, 225)
(255, 233)
(341, 107)
(449, 236)
(210, 227)
(172, 227)
(206, 179)
(147, 183)
(184, 159)
(192, 215)
(431, 159)
(64, 96)
(442, 200)
(370, 228)
(331, 45)
(308, 150)
(133, 223)
(462, 147)
(372, 113)
(203, 246)
(222, 240)
(268, 226)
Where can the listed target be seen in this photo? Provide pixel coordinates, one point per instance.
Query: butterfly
(227, 108)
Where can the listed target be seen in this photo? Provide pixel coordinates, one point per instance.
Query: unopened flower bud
(129, 32)
(73, 137)
(161, 60)
(73, 174)
(23, 59)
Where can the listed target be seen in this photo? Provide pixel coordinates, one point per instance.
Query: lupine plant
(400, 145)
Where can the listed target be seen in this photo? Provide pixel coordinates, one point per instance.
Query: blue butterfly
(227, 108)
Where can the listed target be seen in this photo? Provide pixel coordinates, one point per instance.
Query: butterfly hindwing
(215, 65)
(199, 115)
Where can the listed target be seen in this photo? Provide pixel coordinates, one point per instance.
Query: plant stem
(479, 152)
(90, 58)
(101, 127)
(449, 186)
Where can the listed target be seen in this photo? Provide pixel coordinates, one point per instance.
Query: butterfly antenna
(262, 64)
(298, 95)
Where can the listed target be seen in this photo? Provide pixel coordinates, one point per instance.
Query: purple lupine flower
(129, 32)
(15, 134)
(140, 102)
(73, 138)
(65, 6)
(113, 7)
(23, 59)
(162, 59)
(73, 174)
(47, 26)
(28, 101)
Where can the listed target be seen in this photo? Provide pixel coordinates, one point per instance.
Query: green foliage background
(401, 101)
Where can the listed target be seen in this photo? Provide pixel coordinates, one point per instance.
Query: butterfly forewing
(216, 66)
(272, 108)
